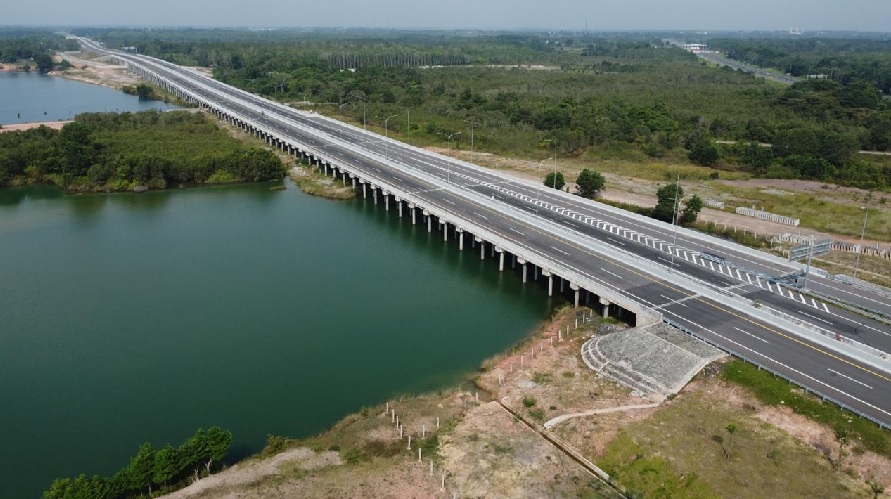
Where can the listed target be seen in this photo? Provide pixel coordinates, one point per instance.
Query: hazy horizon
(559, 15)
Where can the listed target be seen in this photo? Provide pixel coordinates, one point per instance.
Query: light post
(364, 125)
(674, 219)
(554, 141)
(448, 166)
(862, 233)
(471, 137)
(387, 136)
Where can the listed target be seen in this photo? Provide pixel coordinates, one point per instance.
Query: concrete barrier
(763, 215)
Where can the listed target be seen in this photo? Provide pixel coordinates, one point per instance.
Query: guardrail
(777, 374)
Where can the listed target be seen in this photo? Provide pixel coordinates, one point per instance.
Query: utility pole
(862, 233)
(471, 137)
(387, 136)
(448, 166)
(674, 219)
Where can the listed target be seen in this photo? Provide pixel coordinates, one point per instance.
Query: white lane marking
(671, 302)
(481, 216)
(752, 335)
(814, 302)
(814, 317)
(833, 371)
(785, 366)
(447, 201)
(712, 266)
(759, 281)
(610, 273)
(515, 231)
(802, 298)
(825, 307)
(768, 286)
(749, 277)
(560, 250)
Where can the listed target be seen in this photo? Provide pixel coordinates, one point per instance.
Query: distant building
(695, 47)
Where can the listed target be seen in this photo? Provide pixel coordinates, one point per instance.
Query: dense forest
(605, 96)
(166, 469)
(109, 151)
(27, 46)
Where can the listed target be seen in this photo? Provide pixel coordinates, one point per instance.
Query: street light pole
(862, 233)
(471, 137)
(387, 136)
(674, 219)
(448, 166)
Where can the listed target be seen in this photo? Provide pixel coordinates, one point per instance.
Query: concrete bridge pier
(399, 205)
(429, 221)
(414, 213)
(354, 181)
(550, 282)
(605, 303)
(575, 287)
(386, 201)
(525, 269)
(500, 259)
(364, 190)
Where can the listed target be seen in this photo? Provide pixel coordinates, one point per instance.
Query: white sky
(810, 15)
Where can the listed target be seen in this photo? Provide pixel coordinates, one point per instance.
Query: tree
(691, 210)
(554, 180)
(192, 451)
(589, 183)
(44, 62)
(218, 441)
(731, 430)
(703, 153)
(669, 196)
(75, 149)
(166, 465)
(141, 469)
(144, 91)
(757, 157)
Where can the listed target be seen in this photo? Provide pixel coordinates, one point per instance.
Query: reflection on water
(132, 317)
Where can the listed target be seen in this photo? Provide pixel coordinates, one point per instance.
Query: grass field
(677, 453)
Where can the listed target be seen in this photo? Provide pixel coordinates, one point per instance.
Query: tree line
(628, 97)
(670, 197)
(164, 469)
(109, 151)
(29, 45)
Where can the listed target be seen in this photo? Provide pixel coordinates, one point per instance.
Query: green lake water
(127, 318)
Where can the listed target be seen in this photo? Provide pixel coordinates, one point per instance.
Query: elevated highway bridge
(743, 301)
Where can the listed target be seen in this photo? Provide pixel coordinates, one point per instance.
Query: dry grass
(871, 268)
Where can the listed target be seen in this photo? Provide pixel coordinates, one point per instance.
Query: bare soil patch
(90, 67)
(18, 127)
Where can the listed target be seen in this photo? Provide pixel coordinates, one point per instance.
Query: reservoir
(33, 97)
(127, 318)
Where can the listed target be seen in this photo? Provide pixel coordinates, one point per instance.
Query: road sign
(816, 249)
